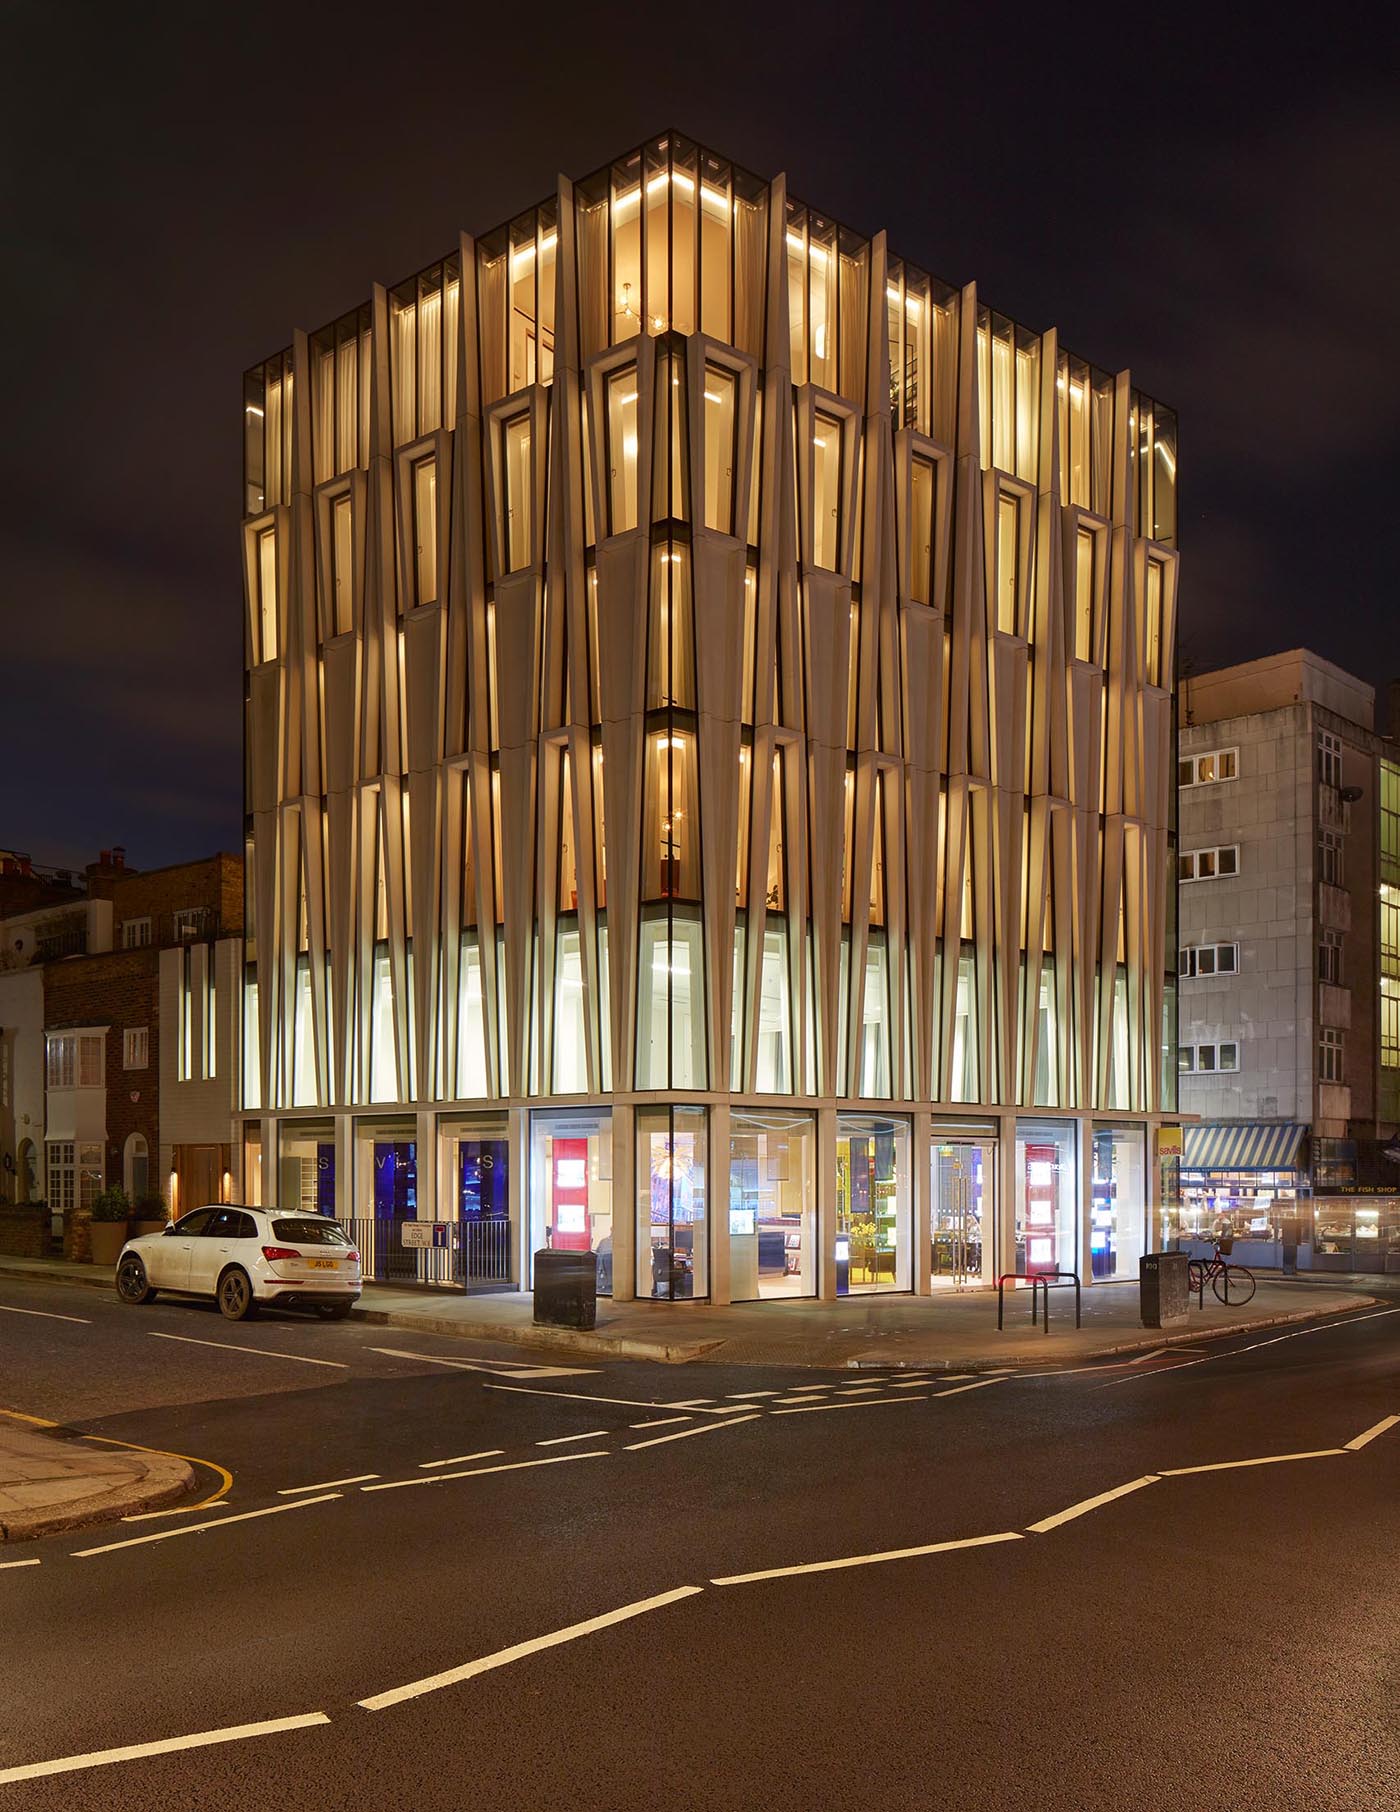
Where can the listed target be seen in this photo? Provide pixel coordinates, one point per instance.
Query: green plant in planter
(112, 1205)
(150, 1208)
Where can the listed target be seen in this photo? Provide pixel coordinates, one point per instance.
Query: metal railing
(466, 1255)
(1040, 1280)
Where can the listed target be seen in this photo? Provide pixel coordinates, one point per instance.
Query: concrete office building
(709, 760)
(1290, 962)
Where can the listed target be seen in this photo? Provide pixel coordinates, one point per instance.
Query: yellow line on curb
(189, 1458)
(19, 1416)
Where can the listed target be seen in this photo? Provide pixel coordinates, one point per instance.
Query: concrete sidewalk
(52, 1479)
(948, 1330)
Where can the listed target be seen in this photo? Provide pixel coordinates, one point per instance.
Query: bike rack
(1040, 1280)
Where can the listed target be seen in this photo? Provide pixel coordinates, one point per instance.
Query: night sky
(1211, 204)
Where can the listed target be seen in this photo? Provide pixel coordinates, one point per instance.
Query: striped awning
(1243, 1145)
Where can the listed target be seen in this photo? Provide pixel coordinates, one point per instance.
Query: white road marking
(44, 1315)
(815, 1409)
(1156, 1353)
(99, 1758)
(594, 1434)
(149, 1516)
(326, 1484)
(578, 1396)
(1087, 1504)
(689, 1403)
(477, 1472)
(869, 1560)
(1162, 1371)
(1371, 1433)
(460, 1459)
(856, 1390)
(4, 1564)
(700, 1428)
(259, 1352)
(1268, 1459)
(746, 1394)
(1325, 1327)
(503, 1657)
(981, 1384)
(496, 1368)
(223, 1522)
(662, 1422)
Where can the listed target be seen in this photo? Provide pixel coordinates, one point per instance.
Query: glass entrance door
(477, 1183)
(872, 1203)
(961, 1212)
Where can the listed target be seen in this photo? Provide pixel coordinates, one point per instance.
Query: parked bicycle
(1231, 1283)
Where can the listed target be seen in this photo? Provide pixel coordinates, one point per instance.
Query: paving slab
(55, 1479)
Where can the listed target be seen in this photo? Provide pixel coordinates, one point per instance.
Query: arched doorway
(136, 1166)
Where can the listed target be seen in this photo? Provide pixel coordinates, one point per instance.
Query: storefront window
(1118, 1206)
(306, 1166)
(252, 1166)
(872, 1203)
(672, 1250)
(475, 1192)
(962, 1206)
(1047, 1219)
(571, 1187)
(772, 1206)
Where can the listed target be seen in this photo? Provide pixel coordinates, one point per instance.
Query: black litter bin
(566, 1289)
(1164, 1288)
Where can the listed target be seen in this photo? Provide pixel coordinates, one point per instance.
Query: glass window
(517, 492)
(308, 1232)
(475, 1159)
(671, 1043)
(342, 613)
(875, 1021)
(772, 1206)
(721, 388)
(1047, 1218)
(921, 531)
(672, 1239)
(774, 1073)
(622, 450)
(671, 638)
(425, 532)
(1008, 529)
(963, 1208)
(306, 1166)
(671, 849)
(570, 1022)
(872, 1203)
(826, 491)
(266, 649)
(1118, 1203)
(1084, 595)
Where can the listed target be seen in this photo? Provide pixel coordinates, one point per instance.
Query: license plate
(321, 1264)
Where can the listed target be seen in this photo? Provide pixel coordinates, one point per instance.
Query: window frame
(1194, 761)
(1214, 853)
(136, 1048)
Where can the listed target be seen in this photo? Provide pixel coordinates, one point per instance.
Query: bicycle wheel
(1195, 1276)
(1233, 1284)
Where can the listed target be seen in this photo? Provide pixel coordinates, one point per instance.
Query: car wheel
(132, 1285)
(235, 1294)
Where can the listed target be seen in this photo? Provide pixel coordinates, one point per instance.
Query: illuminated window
(266, 649)
(425, 532)
(921, 531)
(720, 390)
(1208, 768)
(516, 436)
(1209, 864)
(1008, 534)
(622, 450)
(1084, 588)
(826, 491)
(342, 566)
(671, 636)
(1152, 623)
(136, 1048)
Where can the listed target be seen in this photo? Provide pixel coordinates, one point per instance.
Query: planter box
(146, 1226)
(107, 1239)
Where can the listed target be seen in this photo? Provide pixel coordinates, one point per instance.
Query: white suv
(244, 1257)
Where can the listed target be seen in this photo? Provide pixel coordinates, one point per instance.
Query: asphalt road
(1224, 1638)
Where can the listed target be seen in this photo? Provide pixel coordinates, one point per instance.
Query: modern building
(1290, 962)
(119, 1027)
(709, 760)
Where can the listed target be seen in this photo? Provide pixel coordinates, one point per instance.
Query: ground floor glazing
(732, 1202)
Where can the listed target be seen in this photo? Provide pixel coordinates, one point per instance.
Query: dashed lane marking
(1371, 1433)
(700, 1428)
(868, 1560)
(326, 1484)
(44, 1315)
(6, 1564)
(816, 1409)
(981, 1384)
(503, 1657)
(1143, 1358)
(593, 1434)
(478, 1472)
(494, 1368)
(223, 1522)
(460, 1459)
(1047, 1523)
(661, 1422)
(578, 1396)
(131, 1752)
(150, 1516)
(1268, 1459)
(747, 1394)
(258, 1352)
